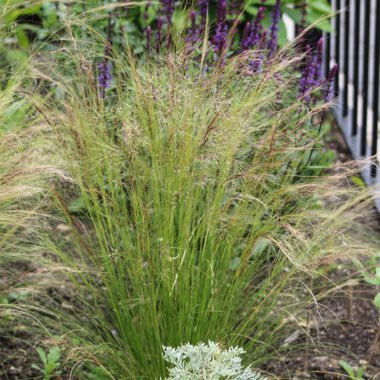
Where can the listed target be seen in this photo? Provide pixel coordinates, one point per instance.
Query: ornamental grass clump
(190, 216)
(189, 207)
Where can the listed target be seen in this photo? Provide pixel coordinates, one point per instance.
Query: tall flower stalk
(329, 83)
(146, 9)
(257, 27)
(193, 32)
(160, 24)
(273, 37)
(104, 72)
(220, 37)
(148, 33)
(168, 9)
(257, 61)
(246, 39)
(234, 8)
(307, 78)
(203, 10)
(311, 75)
(104, 77)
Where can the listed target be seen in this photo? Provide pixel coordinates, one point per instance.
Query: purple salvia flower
(318, 60)
(148, 37)
(307, 78)
(160, 24)
(258, 60)
(203, 10)
(246, 39)
(193, 31)
(104, 77)
(312, 71)
(220, 37)
(257, 27)
(146, 9)
(272, 43)
(168, 9)
(235, 8)
(329, 83)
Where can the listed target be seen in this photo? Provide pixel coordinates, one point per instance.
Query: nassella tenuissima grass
(192, 221)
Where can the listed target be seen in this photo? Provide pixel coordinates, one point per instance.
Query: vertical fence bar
(355, 47)
(337, 45)
(355, 103)
(375, 94)
(367, 21)
(327, 38)
(346, 57)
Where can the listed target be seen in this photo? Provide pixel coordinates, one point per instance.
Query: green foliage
(188, 217)
(354, 374)
(375, 280)
(190, 221)
(358, 181)
(42, 21)
(50, 362)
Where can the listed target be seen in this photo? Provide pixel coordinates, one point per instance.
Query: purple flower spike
(246, 39)
(160, 24)
(193, 31)
(257, 27)
(220, 37)
(258, 60)
(146, 10)
(329, 83)
(312, 71)
(318, 60)
(148, 37)
(235, 8)
(104, 77)
(308, 74)
(168, 9)
(272, 43)
(203, 10)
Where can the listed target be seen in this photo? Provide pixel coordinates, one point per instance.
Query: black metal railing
(354, 45)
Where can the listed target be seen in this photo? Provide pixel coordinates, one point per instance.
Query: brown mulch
(342, 327)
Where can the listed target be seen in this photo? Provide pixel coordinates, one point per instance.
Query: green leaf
(42, 355)
(37, 367)
(19, 295)
(77, 205)
(372, 280)
(22, 37)
(19, 12)
(376, 301)
(235, 263)
(260, 246)
(358, 181)
(315, 17)
(54, 355)
(321, 6)
(294, 14)
(360, 373)
(282, 34)
(179, 19)
(251, 10)
(347, 367)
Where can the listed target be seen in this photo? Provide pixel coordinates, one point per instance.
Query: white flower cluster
(207, 362)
